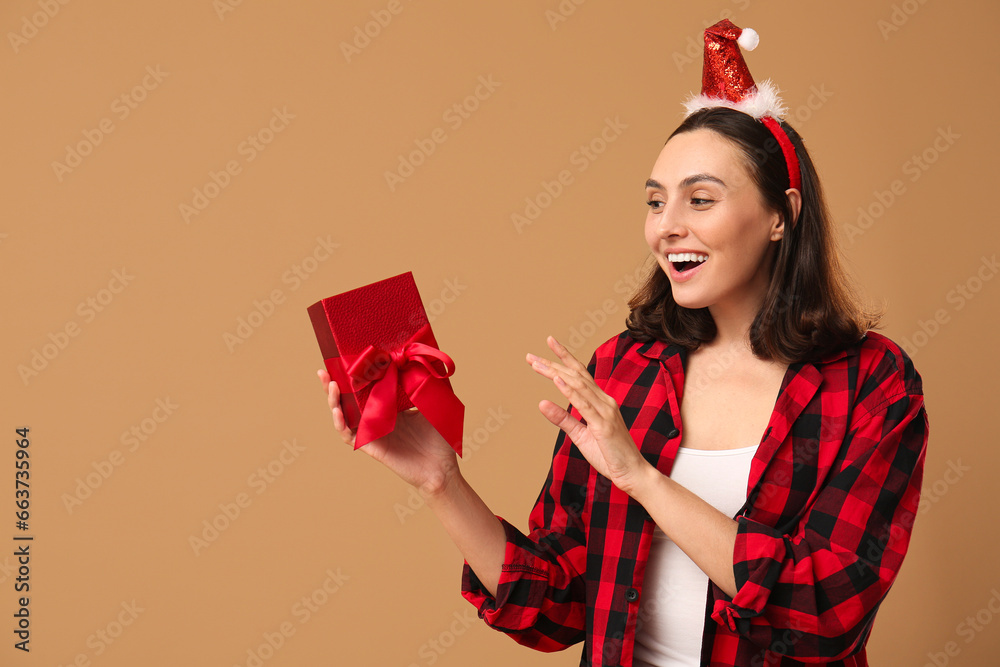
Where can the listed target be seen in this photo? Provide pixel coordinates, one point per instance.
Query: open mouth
(685, 261)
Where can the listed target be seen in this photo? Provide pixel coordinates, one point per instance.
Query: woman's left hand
(604, 440)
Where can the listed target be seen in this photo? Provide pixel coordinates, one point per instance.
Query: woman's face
(707, 224)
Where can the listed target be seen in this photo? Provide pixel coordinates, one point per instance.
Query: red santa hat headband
(726, 82)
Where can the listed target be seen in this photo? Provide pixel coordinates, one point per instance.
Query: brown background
(870, 85)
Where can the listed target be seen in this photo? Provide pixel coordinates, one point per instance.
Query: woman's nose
(670, 224)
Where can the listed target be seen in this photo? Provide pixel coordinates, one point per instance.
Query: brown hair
(810, 308)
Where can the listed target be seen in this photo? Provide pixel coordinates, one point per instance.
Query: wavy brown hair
(810, 308)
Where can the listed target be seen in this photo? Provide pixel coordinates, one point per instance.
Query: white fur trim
(749, 39)
(765, 102)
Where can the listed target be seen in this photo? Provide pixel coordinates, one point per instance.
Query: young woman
(736, 476)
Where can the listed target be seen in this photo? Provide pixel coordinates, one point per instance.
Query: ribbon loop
(370, 366)
(422, 368)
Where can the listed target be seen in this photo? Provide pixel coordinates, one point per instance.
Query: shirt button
(673, 434)
(631, 595)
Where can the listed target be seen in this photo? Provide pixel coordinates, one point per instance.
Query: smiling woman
(737, 474)
(739, 201)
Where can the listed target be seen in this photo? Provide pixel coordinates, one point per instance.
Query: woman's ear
(778, 227)
(795, 199)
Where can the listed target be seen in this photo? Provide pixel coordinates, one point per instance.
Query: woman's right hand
(414, 449)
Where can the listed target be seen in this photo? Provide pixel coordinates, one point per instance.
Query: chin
(688, 298)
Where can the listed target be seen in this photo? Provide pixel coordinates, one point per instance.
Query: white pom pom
(749, 39)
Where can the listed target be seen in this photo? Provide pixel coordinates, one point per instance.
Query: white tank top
(674, 590)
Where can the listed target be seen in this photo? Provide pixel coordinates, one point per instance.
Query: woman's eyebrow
(687, 182)
(698, 178)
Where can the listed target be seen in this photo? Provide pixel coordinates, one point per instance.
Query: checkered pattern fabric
(831, 501)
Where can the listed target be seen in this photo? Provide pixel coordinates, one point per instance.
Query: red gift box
(378, 346)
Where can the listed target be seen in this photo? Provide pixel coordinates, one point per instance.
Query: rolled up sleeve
(812, 594)
(540, 599)
(541, 592)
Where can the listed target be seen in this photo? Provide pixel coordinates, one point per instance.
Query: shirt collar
(661, 351)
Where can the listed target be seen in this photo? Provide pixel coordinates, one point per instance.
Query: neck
(734, 315)
(732, 325)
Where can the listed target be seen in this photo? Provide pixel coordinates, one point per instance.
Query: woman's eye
(655, 205)
(697, 201)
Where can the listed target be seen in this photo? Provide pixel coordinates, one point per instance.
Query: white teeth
(685, 257)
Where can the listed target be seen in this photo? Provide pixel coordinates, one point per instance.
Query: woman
(736, 476)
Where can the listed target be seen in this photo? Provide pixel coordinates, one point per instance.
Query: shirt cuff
(523, 576)
(757, 562)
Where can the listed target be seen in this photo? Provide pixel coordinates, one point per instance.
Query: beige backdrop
(181, 179)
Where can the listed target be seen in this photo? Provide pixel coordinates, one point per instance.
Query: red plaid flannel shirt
(831, 500)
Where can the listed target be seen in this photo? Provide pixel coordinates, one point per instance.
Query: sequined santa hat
(726, 82)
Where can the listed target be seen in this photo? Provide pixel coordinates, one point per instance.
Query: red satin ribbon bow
(418, 365)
